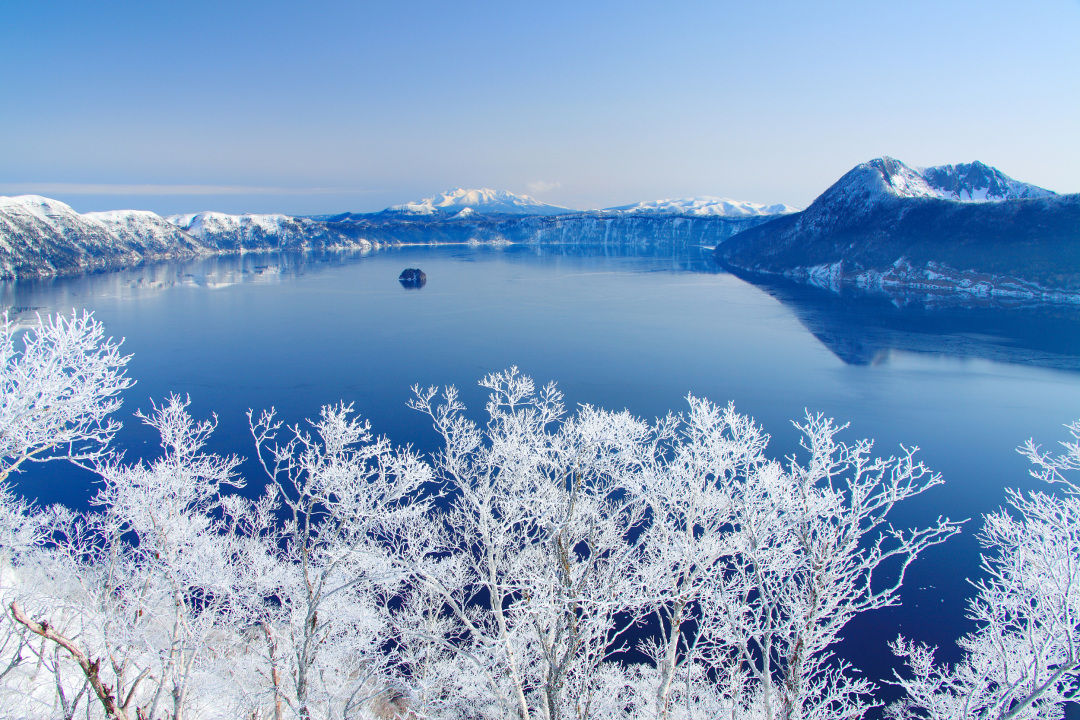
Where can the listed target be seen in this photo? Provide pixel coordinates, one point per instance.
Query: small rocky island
(412, 278)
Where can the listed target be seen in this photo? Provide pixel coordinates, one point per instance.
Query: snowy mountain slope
(222, 231)
(40, 236)
(886, 226)
(886, 177)
(978, 182)
(141, 228)
(702, 206)
(483, 200)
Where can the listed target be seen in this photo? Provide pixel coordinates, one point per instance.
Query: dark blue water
(295, 332)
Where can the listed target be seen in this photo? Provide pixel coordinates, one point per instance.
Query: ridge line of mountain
(40, 237)
(885, 227)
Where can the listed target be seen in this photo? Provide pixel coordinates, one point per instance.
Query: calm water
(967, 386)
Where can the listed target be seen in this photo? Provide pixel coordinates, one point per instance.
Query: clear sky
(328, 106)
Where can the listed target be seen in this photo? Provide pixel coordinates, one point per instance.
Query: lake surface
(965, 385)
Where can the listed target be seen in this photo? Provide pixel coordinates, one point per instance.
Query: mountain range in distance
(465, 203)
(42, 237)
(964, 230)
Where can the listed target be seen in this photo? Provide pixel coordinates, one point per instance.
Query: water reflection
(863, 329)
(860, 329)
(867, 329)
(23, 299)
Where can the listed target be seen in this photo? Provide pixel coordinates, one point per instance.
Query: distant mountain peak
(35, 205)
(479, 200)
(966, 230)
(965, 182)
(874, 180)
(703, 206)
(979, 182)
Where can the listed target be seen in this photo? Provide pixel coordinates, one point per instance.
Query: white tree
(60, 380)
(533, 559)
(755, 566)
(509, 582)
(1022, 661)
(563, 532)
(58, 391)
(343, 493)
(142, 589)
(690, 492)
(814, 549)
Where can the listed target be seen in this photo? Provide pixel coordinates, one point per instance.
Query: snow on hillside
(953, 229)
(702, 206)
(874, 180)
(143, 227)
(205, 224)
(40, 236)
(222, 231)
(34, 213)
(889, 177)
(32, 219)
(978, 182)
(482, 200)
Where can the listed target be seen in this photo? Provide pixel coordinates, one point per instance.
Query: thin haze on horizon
(264, 107)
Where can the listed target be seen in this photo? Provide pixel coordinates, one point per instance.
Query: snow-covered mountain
(44, 219)
(40, 236)
(887, 177)
(978, 182)
(702, 206)
(482, 201)
(222, 231)
(966, 229)
(140, 226)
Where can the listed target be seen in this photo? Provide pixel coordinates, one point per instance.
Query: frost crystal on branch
(540, 565)
(58, 388)
(1023, 660)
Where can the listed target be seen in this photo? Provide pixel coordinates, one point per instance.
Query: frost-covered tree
(544, 566)
(534, 558)
(343, 494)
(1022, 661)
(689, 492)
(140, 592)
(756, 565)
(813, 549)
(59, 384)
(563, 531)
(60, 380)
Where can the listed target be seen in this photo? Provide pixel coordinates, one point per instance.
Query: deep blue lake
(967, 385)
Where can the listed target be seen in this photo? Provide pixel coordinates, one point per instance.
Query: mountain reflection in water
(865, 329)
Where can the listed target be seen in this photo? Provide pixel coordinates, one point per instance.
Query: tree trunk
(90, 668)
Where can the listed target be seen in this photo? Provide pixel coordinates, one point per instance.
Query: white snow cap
(704, 206)
(35, 205)
(966, 182)
(481, 200)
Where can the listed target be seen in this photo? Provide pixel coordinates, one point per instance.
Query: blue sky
(270, 106)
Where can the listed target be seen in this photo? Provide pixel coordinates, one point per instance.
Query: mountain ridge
(703, 205)
(41, 237)
(884, 227)
(480, 200)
